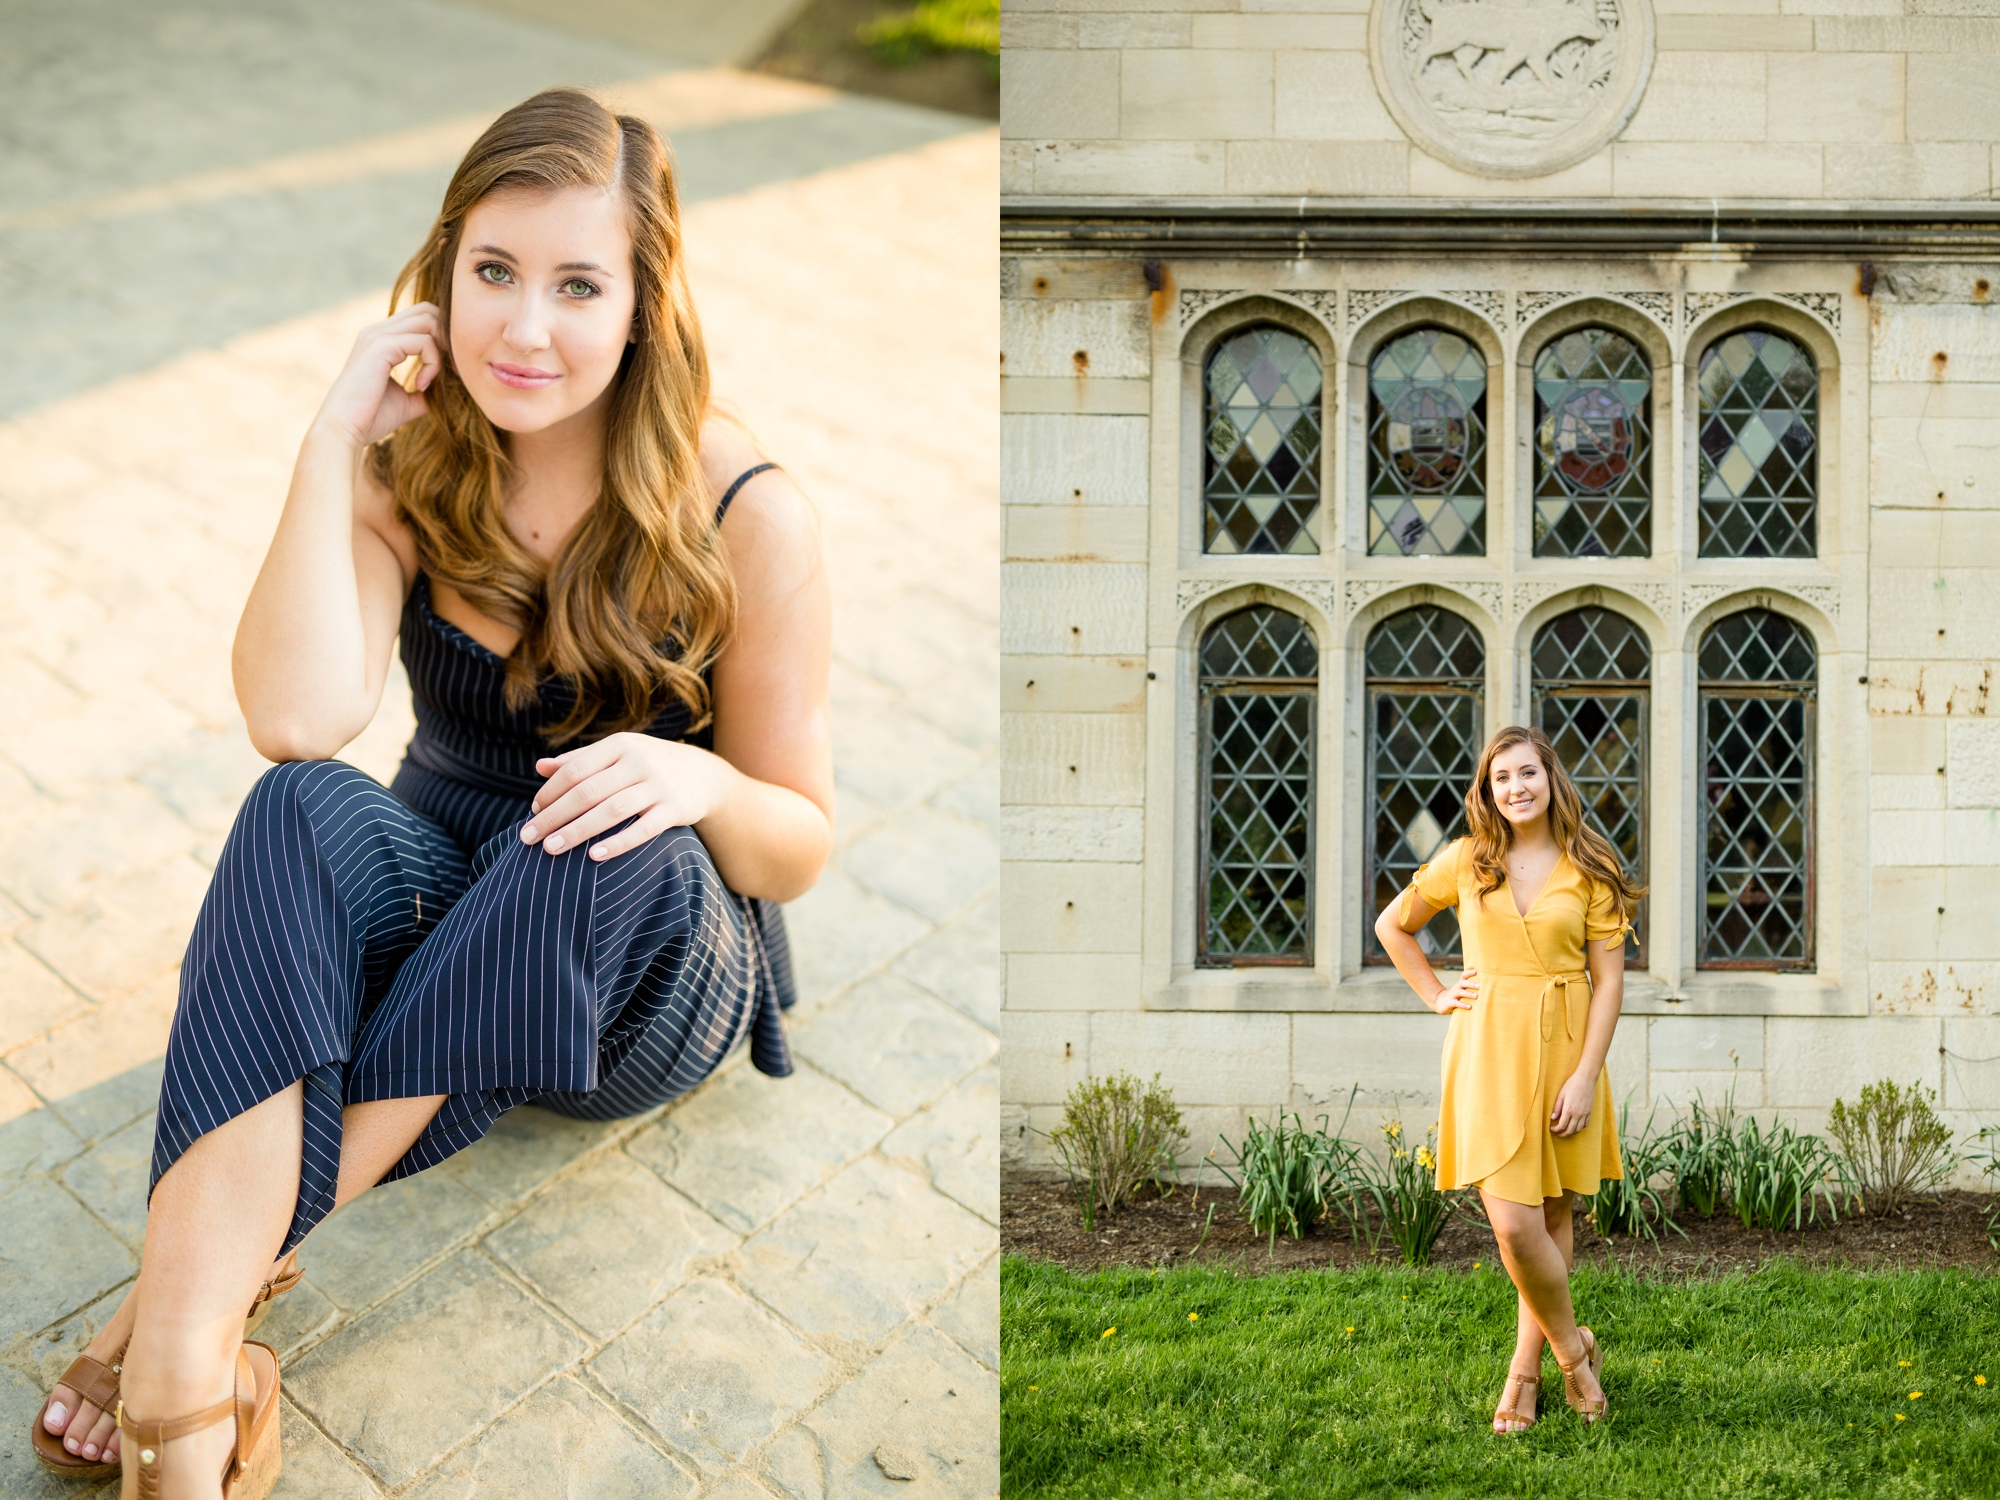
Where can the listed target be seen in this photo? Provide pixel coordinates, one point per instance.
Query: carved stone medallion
(1511, 88)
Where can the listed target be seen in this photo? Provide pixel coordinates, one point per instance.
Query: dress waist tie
(1558, 989)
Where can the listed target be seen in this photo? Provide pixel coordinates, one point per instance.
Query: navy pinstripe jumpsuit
(397, 943)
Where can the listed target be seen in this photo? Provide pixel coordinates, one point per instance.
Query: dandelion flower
(1915, 1394)
(1107, 1333)
(1476, 1265)
(1037, 1388)
(1194, 1317)
(1902, 1364)
(1350, 1328)
(1900, 1417)
(1979, 1380)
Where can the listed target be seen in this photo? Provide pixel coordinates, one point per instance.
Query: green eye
(572, 287)
(493, 266)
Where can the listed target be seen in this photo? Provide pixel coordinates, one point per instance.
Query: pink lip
(522, 377)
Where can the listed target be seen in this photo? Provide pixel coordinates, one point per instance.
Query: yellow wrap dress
(1507, 1057)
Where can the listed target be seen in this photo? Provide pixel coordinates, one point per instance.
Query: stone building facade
(1376, 375)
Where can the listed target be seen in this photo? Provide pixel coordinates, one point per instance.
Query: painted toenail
(56, 1416)
(90, 1450)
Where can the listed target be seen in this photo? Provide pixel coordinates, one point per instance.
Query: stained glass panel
(1259, 669)
(1759, 447)
(1427, 446)
(1593, 690)
(1426, 682)
(1593, 447)
(1757, 730)
(1261, 463)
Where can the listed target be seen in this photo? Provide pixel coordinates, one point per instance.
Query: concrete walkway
(778, 1288)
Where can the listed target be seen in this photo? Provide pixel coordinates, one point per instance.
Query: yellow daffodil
(1107, 1333)
(1424, 1156)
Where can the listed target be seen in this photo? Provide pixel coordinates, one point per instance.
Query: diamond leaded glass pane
(1759, 450)
(1259, 666)
(1260, 470)
(1427, 446)
(1593, 447)
(1757, 728)
(1426, 671)
(1593, 686)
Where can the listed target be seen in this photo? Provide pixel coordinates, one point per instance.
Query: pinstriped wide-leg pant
(347, 940)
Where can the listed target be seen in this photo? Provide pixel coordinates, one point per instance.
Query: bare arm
(312, 648)
(1397, 928)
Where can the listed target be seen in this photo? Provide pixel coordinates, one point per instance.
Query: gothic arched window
(1261, 461)
(1593, 691)
(1593, 447)
(1759, 463)
(1259, 687)
(1426, 690)
(1427, 446)
(1758, 676)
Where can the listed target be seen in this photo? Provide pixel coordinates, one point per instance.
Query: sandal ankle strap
(144, 1440)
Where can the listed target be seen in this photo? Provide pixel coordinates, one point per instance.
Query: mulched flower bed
(1040, 1220)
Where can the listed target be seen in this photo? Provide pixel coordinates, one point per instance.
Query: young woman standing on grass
(616, 626)
(1527, 1115)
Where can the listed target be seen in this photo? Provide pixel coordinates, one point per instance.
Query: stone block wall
(1791, 99)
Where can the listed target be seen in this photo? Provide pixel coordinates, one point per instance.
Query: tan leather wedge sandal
(256, 1460)
(96, 1384)
(1591, 1410)
(1510, 1405)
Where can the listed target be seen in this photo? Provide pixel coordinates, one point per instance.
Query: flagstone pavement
(784, 1289)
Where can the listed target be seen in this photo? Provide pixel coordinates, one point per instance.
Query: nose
(527, 329)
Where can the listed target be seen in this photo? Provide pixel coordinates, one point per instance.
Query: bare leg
(1537, 1245)
(375, 1136)
(217, 1219)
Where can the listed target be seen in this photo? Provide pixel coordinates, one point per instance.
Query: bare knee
(1519, 1228)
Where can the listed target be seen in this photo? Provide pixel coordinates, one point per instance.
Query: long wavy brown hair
(639, 599)
(1491, 833)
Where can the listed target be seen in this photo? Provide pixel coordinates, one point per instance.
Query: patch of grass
(1783, 1383)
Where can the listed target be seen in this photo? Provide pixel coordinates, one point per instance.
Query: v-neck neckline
(1548, 881)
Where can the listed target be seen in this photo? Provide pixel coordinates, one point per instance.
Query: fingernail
(598, 853)
(555, 843)
(529, 835)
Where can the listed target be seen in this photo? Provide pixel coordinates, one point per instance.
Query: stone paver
(713, 1373)
(744, 1176)
(971, 1315)
(430, 1367)
(673, 1304)
(560, 1444)
(893, 1044)
(609, 1242)
(917, 1244)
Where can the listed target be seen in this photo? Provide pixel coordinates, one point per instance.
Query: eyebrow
(568, 265)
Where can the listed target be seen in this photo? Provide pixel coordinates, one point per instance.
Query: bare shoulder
(375, 509)
(771, 525)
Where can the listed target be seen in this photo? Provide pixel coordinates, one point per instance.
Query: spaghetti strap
(741, 479)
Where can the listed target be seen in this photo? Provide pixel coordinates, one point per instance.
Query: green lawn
(1784, 1382)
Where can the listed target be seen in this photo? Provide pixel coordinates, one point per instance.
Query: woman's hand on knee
(661, 783)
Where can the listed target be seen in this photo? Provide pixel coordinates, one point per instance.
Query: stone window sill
(1382, 990)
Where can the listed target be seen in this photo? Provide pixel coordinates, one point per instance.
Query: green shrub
(935, 26)
(1289, 1177)
(1115, 1134)
(1894, 1140)
(1778, 1173)
(1988, 1160)
(1696, 1154)
(1628, 1205)
(1403, 1188)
